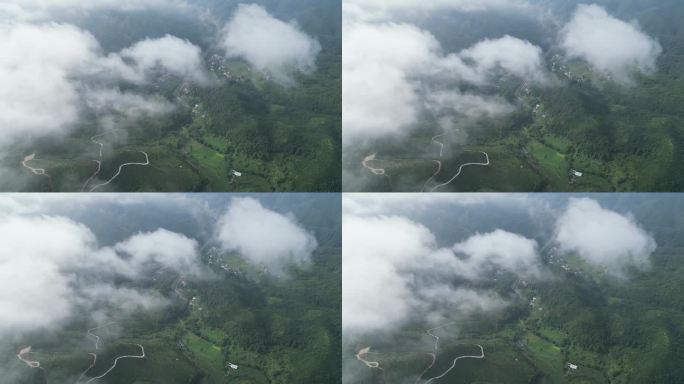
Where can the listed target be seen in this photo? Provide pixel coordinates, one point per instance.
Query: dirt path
(121, 167)
(96, 337)
(30, 363)
(98, 161)
(432, 364)
(116, 361)
(439, 169)
(453, 364)
(376, 365)
(370, 364)
(377, 171)
(36, 171)
(86, 371)
(441, 145)
(460, 169)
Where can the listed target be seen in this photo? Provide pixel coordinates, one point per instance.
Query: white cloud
(264, 237)
(368, 204)
(393, 72)
(467, 105)
(386, 9)
(378, 95)
(37, 96)
(269, 44)
(603, 238)
(610, 45)
(512, 55)
(42, 9)
(162, 247)
(393, 270)
(175, 55)
(34, 291)
(52, 266)
(376, 295)
(48, 69)
(106, 101)
(504, 250)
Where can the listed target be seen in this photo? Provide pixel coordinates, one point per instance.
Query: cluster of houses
(216, 259)
(216, 65)
(558, 67)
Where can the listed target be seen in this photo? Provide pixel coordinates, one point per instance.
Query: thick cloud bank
(386, 9)
(394, 270)
(175, 55)
(390, 70)
(51, 72)
(162, 247)
(264, 237)
(603, 238)
(269, 44)
(51, 267)
(37, 95)
(41, 9)
(508, 251)
(610, 45)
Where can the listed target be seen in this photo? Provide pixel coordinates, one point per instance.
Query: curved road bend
(98, 161)
(377, 171)
(116, 361)
(453, 364)
(441, 145)
(88, 369)
(97, 338)
(439, 169)
(369, 364)
(36, 171)
(30, 363)
(460, 169)
(121, 167)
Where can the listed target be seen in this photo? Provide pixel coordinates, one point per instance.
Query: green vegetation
(616, 330)
(619, 137)
(277, 330)
(242, 133)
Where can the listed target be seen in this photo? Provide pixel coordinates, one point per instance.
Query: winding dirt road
(377, 171)
(121, 167)
(116, 361)
(98, 161)
(441, 145)
(453, 364)
(88, 369)
(97, 338)
(36, 171)
(439, 169)
(382, 172)
(460, 169)
(370, 364)
(30, 363)
(376, 365)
